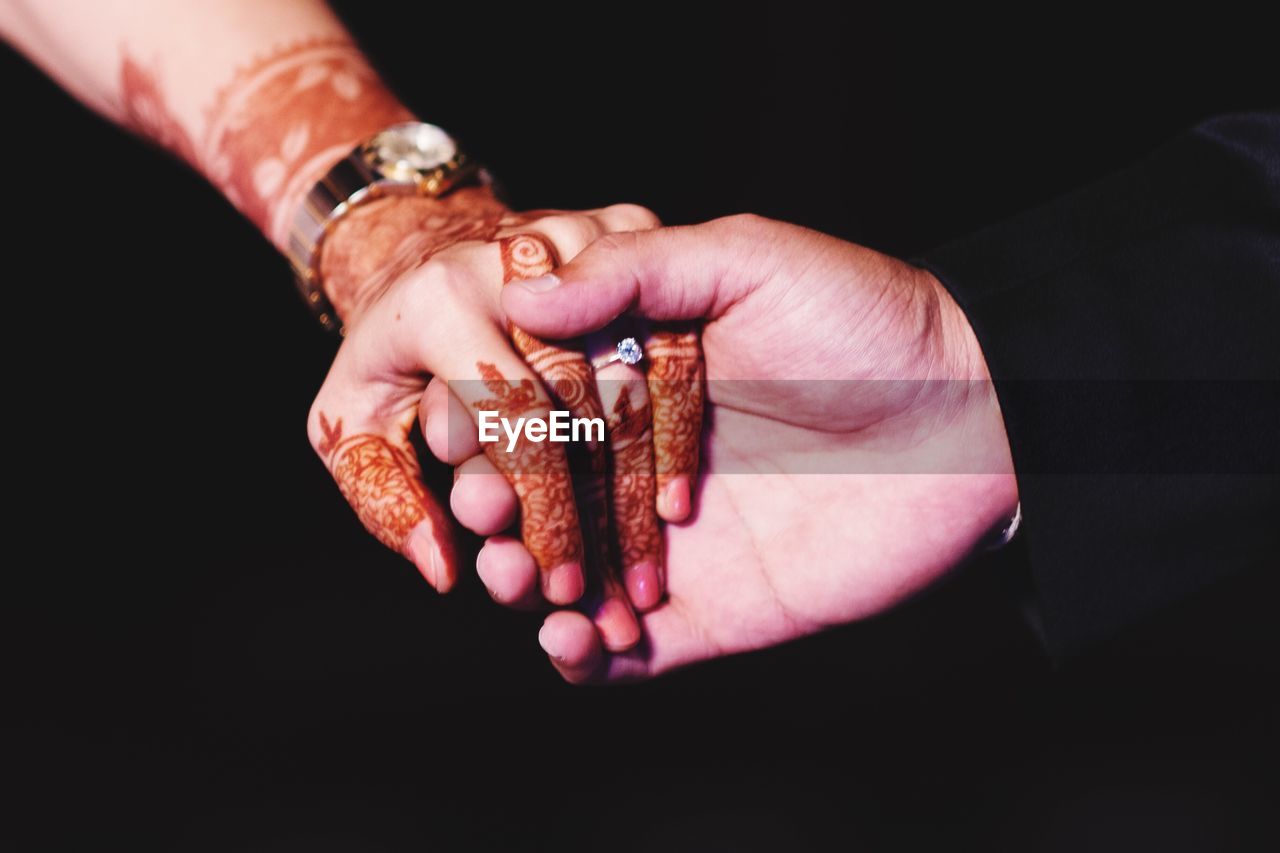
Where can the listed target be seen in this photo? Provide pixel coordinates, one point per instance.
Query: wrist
(381, 240)
(984, 435)
(284, 120)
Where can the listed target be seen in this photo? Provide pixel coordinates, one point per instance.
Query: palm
(853, 448)
(814, 539)
(775, 556)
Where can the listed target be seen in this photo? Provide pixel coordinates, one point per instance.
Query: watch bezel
(405, 173)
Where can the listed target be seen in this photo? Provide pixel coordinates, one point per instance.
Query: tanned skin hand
(263, 98)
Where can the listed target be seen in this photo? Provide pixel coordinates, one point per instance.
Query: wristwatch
(412, 158)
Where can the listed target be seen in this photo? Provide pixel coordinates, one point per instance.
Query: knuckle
(615, 241)
(743, 221)
(634, 217)
(573, 230)
(441, 283)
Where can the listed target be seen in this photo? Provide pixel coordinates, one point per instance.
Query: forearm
(1130, 332)
(261, 98)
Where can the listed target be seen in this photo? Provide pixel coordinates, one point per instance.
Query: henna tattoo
(146, 112)
(287, 117)
(378, 242)
(526, 256)
(330, 436)
(570, 381)
(382, 482)
(566, 373)
(628, 424)
(509, 400)
(636, 524)
(276, 126)
(675, 380)
(539, 473)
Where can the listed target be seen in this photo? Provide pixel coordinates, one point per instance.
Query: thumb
(684, 273)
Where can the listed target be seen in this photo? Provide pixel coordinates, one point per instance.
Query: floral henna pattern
(639, 537)
(382, 482)
(275, 128)
(287, 117)
(539, 473)
(675, 379)
(146, 112)
(378, 242)
(566, 373)
(571, 382)
(511, 401)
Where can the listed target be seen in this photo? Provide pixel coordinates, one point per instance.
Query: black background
(205, 651)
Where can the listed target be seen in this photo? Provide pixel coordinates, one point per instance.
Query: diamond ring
(628, 352)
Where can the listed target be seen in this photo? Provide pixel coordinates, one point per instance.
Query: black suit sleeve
(1133, 333)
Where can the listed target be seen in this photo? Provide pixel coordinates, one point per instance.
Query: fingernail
(422, 551)
(546, 647)
(643, 587)
(564, 583)
(675, 499)
(541, 284)
(618, 627)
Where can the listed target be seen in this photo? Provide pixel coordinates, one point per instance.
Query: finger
(680, 273)
(509, 572)
(675, 381)
(671, 641)
(377, 471)
(482, 500)
(568, 377)
(571, 232)
(626, 217)
(575, 650)
(508, 392)
(446, 426)
(488, 376)
(625, 396)
(573, 646)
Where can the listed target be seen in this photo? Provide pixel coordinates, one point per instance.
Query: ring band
(628, 351)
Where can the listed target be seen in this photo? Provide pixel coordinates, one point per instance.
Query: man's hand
(870, 460)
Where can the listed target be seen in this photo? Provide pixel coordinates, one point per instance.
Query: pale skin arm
(262, 98)
(198, 79)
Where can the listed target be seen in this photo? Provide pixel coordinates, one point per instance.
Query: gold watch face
(406, 152)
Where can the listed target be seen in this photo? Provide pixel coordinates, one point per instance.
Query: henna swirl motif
(378, 242)
(525, 256)
(566, 373)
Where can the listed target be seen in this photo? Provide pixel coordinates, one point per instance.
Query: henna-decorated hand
(417, 282)
(829, 492)
(279, 94)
